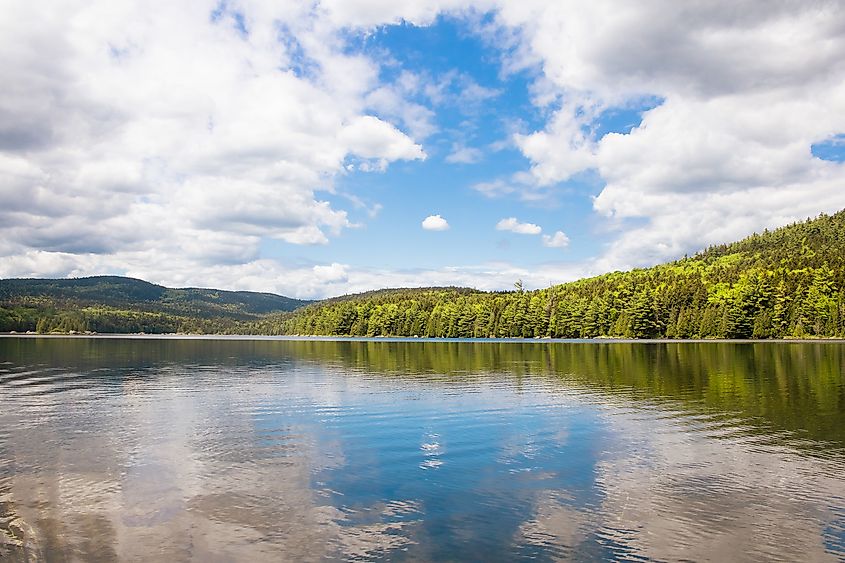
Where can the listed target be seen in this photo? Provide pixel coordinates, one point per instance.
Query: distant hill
(783, 283)
(120, 304)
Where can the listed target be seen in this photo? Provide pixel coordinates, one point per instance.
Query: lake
(193, 449)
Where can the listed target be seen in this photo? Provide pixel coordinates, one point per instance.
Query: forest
(786, 283)
(114, 304)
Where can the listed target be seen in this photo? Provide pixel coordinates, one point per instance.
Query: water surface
(230, 450)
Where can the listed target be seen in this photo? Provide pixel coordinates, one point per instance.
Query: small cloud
(464, 155)
(496, 188)
(473, 92)
(502, 144)
(557, 240)
(435, 223)
(511, 224)
(520, 184)
(375, 210)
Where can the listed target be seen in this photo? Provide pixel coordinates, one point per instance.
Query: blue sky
(299, 148)
(410, 191)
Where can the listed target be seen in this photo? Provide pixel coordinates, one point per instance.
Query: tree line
(785, 283)
(49, 319)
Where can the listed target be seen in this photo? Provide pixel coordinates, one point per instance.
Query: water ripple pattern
(174, 449)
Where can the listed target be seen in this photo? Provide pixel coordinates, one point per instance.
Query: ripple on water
(304, 451)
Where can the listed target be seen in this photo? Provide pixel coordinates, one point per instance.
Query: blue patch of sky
(223, 11)
(410, 191)
(623, 119)
(832, 149)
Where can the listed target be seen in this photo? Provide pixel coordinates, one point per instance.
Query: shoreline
(343, 338)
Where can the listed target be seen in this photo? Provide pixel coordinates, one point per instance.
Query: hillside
(784, 283)
(119, 304)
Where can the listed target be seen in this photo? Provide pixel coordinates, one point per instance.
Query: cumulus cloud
(557, 240)
(190, 129)
(511, 224)
(744, 90)
(370, 137)
(335, 273)
(435, 223)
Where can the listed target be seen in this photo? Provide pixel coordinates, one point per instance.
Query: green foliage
(785, 283)
(126, 305)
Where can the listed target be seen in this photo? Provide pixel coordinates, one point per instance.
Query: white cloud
(745, 91)
(562, 150)
(374, 211)
(496, 188)
(511, 224)
(333, 273)
(392, 101)
(370, 137)
(557, 240)
(161, 126)
(435, 223)
(464, 155)
(519, 184)
(371, 13)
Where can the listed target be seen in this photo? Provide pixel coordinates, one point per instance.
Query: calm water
(230, 450)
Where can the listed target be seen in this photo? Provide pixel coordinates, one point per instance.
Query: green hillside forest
(786, 283)
(127, 305)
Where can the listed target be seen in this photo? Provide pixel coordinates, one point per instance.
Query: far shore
(344, 338)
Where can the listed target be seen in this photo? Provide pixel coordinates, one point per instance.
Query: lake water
(250, 450)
